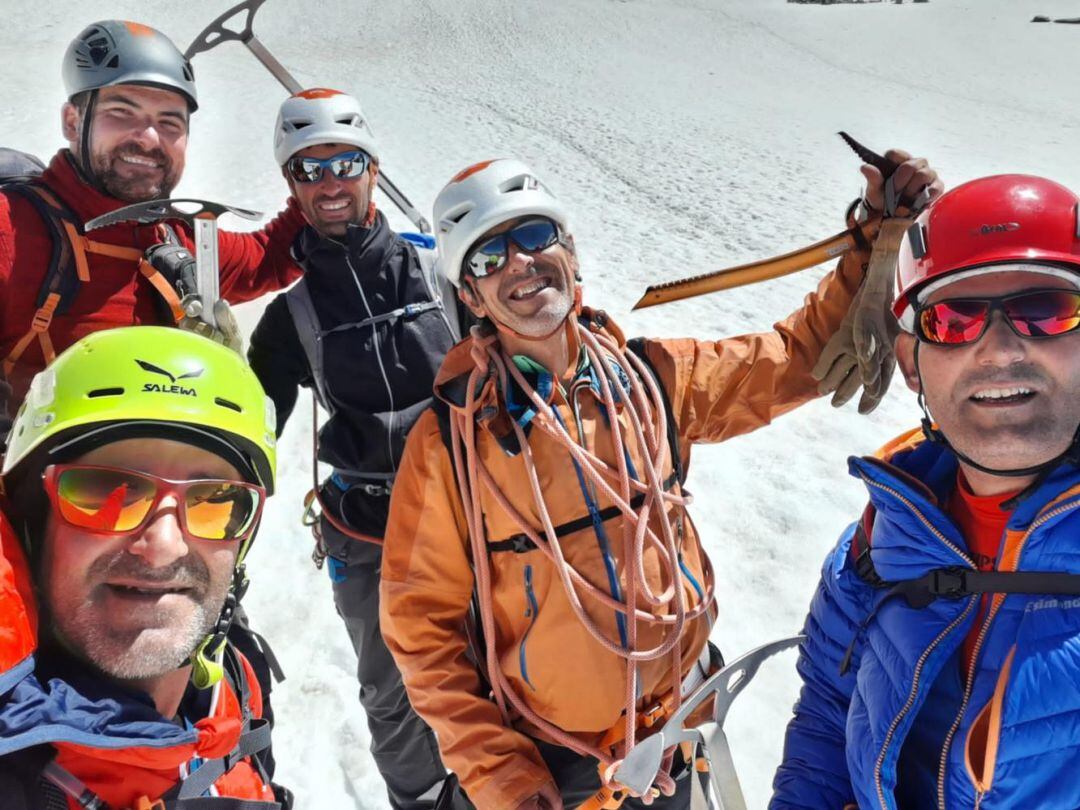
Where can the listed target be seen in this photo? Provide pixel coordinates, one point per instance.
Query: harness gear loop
(313, 497)
(641, 403)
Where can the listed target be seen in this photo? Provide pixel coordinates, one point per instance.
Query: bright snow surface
(684, 136)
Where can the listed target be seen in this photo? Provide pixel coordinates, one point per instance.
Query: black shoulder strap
(954, 582)
(62, 276)
(637, 346)
(23, 785)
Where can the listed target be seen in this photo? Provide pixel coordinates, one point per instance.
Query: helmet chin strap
(934, 434)
(85, 125)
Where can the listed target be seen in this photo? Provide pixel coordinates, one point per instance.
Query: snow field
(685, 135)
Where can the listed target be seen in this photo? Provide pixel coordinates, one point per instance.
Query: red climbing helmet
(1028, 223)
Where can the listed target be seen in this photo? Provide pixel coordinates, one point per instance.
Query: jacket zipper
(926, 653)
(382, 368)
(531, 610)
(995, 606)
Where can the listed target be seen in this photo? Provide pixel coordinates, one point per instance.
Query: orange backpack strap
(69, 269)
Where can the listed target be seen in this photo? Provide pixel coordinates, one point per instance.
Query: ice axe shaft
(218, 32)
(752, 273)
(207, 279)
(801, 259)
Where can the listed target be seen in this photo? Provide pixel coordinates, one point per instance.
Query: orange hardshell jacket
(716, 390)
(121, 752)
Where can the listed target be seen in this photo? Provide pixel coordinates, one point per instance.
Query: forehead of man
(145, 98)
(1001, 283)
(164, 458)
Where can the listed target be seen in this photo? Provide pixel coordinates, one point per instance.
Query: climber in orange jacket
(547, 480)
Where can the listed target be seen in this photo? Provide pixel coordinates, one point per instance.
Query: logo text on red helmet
(1001, 227)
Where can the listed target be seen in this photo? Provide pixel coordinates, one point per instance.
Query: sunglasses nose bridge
(161, 541)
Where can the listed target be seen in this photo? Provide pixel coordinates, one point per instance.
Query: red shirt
(982, 522)
(251, 264)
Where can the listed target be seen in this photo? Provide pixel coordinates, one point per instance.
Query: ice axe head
(152, 211)
(217, 32)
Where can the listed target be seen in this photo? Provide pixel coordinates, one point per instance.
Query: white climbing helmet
(479, 198)
(317, 116)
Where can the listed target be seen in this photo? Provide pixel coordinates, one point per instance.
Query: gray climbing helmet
(113, 52)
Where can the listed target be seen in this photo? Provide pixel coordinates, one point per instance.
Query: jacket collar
(909, 483)
(85, 201)
(365, 248)
(500, 401)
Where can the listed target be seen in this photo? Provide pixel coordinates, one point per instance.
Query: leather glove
(860, 353)
(227, 332)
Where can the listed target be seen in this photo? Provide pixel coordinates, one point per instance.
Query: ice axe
(218, 32)
(202, 219)
(638, 770)
(801, 259)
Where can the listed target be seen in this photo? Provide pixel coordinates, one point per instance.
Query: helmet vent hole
(114, 62)
(224, 403)
(105, 392)
(350, 121)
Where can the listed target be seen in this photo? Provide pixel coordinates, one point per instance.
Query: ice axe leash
(218, 32)
(201, 216)
(637, 771)
(857, 234)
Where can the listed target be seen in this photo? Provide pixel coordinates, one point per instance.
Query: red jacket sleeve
(253, 264)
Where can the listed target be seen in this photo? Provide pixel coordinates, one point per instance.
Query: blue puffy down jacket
(896, 730)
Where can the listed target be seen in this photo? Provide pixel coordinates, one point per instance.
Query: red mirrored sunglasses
(1030, 314)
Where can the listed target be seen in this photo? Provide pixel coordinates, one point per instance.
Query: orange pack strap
(39, 328)
(164, 288)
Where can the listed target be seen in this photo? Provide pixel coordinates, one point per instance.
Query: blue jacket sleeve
(814, 773)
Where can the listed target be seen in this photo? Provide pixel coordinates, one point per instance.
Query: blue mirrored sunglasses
(343, 165)
(492, 255)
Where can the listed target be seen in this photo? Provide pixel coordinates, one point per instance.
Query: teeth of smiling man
(333, 205)
(138, 161)
(536, 286)
(1002, 393)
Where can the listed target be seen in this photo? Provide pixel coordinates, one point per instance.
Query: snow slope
(685, 135)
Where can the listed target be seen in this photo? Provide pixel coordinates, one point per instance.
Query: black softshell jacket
(377, 377)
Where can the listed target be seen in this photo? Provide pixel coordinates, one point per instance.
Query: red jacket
(252, 264)
(117, 745)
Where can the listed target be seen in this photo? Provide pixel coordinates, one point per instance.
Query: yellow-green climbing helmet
(145, 382)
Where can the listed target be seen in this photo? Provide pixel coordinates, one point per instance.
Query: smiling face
(136, 606)
(533, 294)
(1005, 401)
(138, 140)
(332, 204)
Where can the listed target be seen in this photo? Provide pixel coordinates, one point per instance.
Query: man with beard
(365, 329)
(131, 95)
(135, 478)
(943, 647)
(539, 502)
